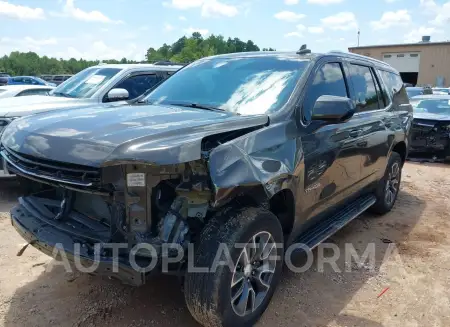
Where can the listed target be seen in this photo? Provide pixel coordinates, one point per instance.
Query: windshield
(433, 106)
(413, 92)
(85, 83)
(246, 86)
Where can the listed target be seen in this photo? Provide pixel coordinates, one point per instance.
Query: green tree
(184, 50)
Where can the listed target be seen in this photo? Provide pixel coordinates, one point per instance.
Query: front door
(332, 165)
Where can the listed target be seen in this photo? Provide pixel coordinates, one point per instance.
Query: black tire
(208, 295)
(383, 205)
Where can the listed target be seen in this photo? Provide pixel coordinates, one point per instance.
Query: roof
(418, 44)
(432, 97)
(133, 66)
(293, 54)
(21, 87)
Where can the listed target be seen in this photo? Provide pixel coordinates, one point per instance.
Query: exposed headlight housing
(5, 122)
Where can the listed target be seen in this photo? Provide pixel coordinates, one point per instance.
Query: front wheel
(236, 295)
(389, 185)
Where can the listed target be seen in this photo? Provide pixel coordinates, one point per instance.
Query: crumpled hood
(27, 105)
(96, 135)
(430, 116)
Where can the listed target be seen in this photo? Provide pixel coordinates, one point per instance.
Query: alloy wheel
(253, 274)
(392, 183)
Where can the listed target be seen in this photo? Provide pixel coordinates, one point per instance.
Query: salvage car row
(259, 149)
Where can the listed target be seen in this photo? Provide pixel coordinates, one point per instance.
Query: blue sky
(99, 29)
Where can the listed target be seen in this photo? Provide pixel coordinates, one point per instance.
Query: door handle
(355, 133)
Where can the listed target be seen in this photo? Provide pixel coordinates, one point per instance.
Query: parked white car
(11, 91)
(104, 83)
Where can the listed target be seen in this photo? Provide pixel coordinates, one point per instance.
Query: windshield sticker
(96, 79)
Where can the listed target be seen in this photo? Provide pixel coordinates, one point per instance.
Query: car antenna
(303, 50)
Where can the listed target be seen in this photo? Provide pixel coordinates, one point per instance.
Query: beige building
(424, 63)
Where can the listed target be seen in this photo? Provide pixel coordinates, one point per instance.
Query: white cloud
(168, 27)
(39, 42)
(209, 8)
(392, 18)
(293, 34)
(7, 45)
(315, 30)
(343, 21)
(301, 27)
(416, 34)
(289, 16)
(290, 2)
(215, 8)
(101, 51)
(182, 18)
(70, 10)
(184, 4)
(429, 6)
(298, 33)
(191, 30)
(20, 12)
(325, 2)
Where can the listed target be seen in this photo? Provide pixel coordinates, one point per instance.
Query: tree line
(184, 50)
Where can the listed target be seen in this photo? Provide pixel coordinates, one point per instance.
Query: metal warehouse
(423, 63)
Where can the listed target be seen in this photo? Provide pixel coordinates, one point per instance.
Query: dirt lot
(33, 292)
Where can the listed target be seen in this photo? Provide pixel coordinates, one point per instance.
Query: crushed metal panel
(267, 157)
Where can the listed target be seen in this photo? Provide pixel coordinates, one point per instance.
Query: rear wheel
(238, 295)
(389, 185)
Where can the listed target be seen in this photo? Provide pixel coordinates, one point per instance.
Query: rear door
(374, 120)
(332, 166)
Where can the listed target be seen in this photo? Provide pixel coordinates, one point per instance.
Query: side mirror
(333, 109)
(118, 94)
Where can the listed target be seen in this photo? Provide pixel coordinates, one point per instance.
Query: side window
(136, 85)
(384, 88)
(18, 79)
(329, 80)
(395, 86)
(364, 86)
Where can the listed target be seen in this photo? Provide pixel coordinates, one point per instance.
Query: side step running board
(318, 233)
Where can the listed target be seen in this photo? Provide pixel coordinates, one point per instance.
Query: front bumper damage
(430, 139)
(88, 212)
(31, 220)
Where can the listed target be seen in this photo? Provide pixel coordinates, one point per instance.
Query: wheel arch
(401, 149)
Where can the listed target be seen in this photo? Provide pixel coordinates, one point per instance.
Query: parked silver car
(98, 84)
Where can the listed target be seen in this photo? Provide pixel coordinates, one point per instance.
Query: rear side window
(363, 82)
(329, 80)
(395, 87)
(386, 100)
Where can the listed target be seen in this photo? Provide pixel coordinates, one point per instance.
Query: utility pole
(359, 33)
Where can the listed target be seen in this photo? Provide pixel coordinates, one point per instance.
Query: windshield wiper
(62, 94)
(195, 105)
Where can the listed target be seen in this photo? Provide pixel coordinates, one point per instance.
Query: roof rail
(166, 63)
(357, 56)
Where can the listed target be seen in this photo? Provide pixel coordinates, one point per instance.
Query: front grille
(52, 170)
(430, 135)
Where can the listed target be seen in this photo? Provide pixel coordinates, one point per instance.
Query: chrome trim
(26, 172)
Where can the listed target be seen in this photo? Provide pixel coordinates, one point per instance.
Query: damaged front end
(127, 203)
(430, 139)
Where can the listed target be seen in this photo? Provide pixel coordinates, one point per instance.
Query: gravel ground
(412, 263)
